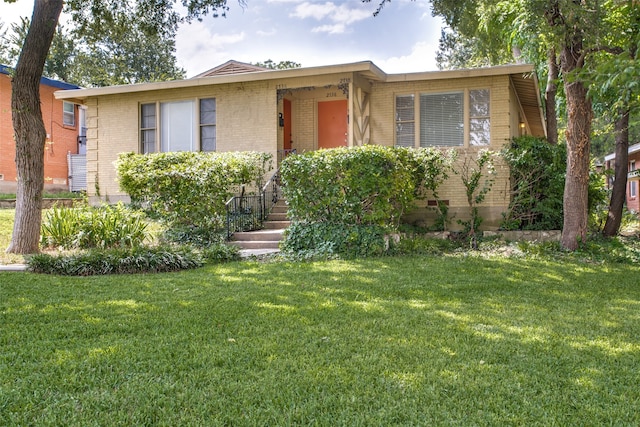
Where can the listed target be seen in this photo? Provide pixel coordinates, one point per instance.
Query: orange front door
(332, 124)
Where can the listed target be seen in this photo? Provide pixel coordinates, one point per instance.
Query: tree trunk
(30, 133)
(578, 134)
(550, 96)
(619, 192)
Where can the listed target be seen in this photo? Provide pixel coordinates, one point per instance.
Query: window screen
(442, 120)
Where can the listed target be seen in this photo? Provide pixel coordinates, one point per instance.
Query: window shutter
(442, 120)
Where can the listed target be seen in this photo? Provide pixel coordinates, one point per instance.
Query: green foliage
(282, 65)
(326, 240)
(188, 190)
(477, 175)
(369, 185)
(220, 252)
(133, 260)
(537, 184)
(126, 54)
(87, 227)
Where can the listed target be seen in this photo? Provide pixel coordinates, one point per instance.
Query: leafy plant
(326, 239)
(85, 227)
(117, 261)
(537, 184)
(477, 175)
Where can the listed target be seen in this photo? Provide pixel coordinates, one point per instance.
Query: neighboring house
(63, 123)
(238, 107)
(633, 176)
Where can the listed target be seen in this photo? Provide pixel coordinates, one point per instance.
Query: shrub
(87, 227)
(419, 245)
(537, 184)
(117, 261)
(220, 252)
(326, 239)
(369, 185)
(188, 190)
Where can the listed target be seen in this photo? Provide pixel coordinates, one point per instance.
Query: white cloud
(339, 14)
(330, 29)
(421, 58)
(197, 49)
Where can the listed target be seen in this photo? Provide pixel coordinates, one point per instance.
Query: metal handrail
(248, 212)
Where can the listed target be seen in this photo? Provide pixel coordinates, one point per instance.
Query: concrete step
(259, 235)
(250, 244)
(279, 209)
(276, 225)
(274, 216)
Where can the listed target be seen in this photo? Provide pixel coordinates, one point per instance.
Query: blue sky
(403, 38)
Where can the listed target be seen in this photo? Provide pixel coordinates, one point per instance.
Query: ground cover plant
(417, 340)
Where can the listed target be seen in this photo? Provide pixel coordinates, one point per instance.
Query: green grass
(452, 340)
(54, 195)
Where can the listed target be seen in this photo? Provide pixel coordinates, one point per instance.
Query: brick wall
(60, 140)
(503, 107)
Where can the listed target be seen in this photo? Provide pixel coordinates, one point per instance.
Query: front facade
(62, 121)
(236, 107)
(633, 176)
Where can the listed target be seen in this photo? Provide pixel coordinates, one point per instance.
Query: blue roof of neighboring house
(43, 80)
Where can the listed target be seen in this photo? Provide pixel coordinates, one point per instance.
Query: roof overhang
(523, 80)
(632, 149)
(366, 68)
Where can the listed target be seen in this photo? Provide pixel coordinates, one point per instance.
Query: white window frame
(68, 117)
(173, 125)
(633, 184)
(469, 136)
(405, 120)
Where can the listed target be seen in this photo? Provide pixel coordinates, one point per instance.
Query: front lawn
(451, 340)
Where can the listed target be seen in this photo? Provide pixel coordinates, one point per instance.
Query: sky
(402, 38)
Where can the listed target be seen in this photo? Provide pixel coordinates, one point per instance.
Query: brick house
(633, 176)
(238, 107)
(62, 121)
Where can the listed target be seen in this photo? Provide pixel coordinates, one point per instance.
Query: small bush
(220, 252)
(117, 261)
(326, 240)
(87, 227)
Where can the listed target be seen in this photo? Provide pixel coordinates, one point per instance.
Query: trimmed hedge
(189, 189)
(368, 185)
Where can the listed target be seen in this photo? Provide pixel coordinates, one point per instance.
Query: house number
(281, 86)
(332, 94)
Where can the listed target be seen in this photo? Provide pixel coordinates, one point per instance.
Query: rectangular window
(405, 121)
(68, 113)
(442, 120)
(173, 126)
(479, 123)
(208, 124)
(176, 126)
(148, 128)
(633, 184)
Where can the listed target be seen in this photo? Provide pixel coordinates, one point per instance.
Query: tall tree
(29, 128)
(617, 86)
(94, 17)
(126, 55)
